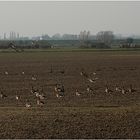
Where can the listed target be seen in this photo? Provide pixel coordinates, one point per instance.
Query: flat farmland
(94, 114)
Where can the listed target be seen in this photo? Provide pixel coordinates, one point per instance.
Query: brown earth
(91, 115)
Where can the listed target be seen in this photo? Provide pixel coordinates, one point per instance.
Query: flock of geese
(107, 90)
(59, 89)
(40, 97)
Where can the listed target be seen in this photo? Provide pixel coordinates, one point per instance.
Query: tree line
(103, 39)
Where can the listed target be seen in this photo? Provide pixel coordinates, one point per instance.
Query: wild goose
(117, 89)
(34, 90)
(107, 90)
(2, 95)
(23, 72)
(41, 97)
(130, 89)
(34, 78)
(17, 97)
(83, 74)
(58, 95)
(94, 73)
(28, 105)
(123, 90)
(6, 73)
(40, 103)
(89, 89)
(58, 88)
(91, 80)
(77, 93)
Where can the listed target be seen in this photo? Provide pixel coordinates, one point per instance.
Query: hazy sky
(36, 18)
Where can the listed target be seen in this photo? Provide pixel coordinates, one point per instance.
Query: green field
(76, 49)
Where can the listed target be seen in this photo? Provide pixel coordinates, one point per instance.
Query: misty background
(36, 18)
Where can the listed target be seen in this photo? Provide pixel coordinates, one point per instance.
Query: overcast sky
(36, 18)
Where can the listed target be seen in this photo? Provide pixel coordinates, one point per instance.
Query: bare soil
(90, 115)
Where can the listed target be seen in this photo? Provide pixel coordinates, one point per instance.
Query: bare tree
(84, 37)
(129, 41)
(105, 37)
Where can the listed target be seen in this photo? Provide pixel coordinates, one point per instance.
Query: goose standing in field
(6, 73)
(96, 78)
(2, 95)
(59, 94)
(23, 72)
(40, 103)
(59, 89)
(107, 90)
(94, 73)
(56, 88)
(89, 89)
(34, 90)
(123, 90)
(28, 105)
(77, 93)
(41, 96)
(91, 80)
(117, 89)
(84, 74)
(34, 78)
(130, 89)
(17, 97)
(37, 94)
(81, 73)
